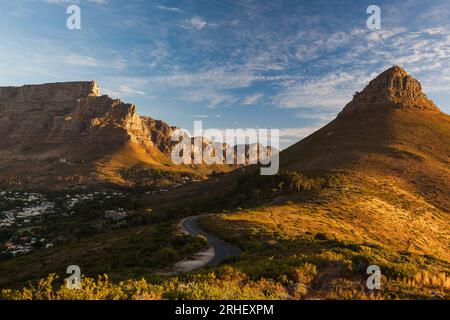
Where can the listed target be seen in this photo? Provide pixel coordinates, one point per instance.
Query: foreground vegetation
(302, 237)
(229, 284)
(222, 284)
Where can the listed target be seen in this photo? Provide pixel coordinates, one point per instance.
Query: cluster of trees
(286, 181)
(296, 182)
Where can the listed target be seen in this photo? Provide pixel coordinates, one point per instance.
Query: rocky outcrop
(63, 134)
(160, 134)
(394, 88)
(50, 118)
(390, 123)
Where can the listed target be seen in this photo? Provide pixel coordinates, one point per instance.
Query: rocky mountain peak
(393, 88)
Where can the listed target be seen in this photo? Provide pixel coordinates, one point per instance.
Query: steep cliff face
(160, 133)
(52, 117)
(66, 129)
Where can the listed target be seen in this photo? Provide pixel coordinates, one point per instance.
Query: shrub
(303, 274)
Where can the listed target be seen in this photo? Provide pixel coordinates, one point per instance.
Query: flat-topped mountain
(61, 91)
(67, 133)
(40, 117)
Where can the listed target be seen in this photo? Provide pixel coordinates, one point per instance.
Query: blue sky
(287, 64)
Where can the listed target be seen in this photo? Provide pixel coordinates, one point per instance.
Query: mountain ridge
(67, 134)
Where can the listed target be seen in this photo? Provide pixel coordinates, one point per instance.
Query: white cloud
(384, 34)
(82, 61)
(298, 133)
(170, 9)
(252, 99)
(207, 116)
(196, 23)
(67, 2)
(321, 117)
(215, 77)
(130, 91)
(331, 91)
(61, 2)
(211, 97)
(123, 91)
(97, 1)
(436, 31)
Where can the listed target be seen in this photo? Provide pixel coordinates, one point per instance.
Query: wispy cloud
(97, 1)
(207, 116)
(67, 2)
(82, 61)
(320, 117)
(196, 23)
(289, 136)
(170, 9)
(331, 91)
(210, 97)
(252, 99)
(294, 58)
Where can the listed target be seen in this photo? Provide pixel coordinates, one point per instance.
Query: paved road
(222, 250)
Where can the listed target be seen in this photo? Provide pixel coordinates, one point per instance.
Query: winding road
(221, 249)
(217, 251)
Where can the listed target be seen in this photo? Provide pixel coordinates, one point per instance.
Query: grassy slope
(373, 211)
(412, 145)
(341, 231)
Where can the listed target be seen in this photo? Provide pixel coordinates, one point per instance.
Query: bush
(99, 289)
(303, 274)
(229, 285)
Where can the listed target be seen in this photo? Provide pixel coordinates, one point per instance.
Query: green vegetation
(285, 181)
(225, 283)
(123, 254)
(302, 236)
(323, 270)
